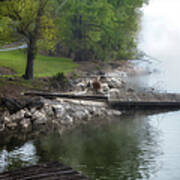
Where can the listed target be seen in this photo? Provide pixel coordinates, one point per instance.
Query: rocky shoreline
(62, 114)
(58, 113)
(38, 114)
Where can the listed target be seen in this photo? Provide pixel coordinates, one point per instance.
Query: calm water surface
(136, 146)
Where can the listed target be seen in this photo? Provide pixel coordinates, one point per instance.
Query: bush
(60, 81)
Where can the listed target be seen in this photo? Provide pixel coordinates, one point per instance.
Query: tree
(127, 24)
(82, 25)
(99, 29)
(31, 21)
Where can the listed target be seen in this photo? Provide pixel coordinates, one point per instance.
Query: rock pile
(113, 81)
(61, 114)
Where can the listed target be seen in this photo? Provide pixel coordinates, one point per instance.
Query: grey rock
(105, 87)
(12, 125)
(82, 115)
(114, 82)
(67, 120)
(26, 123)
(39, 118)
(59, 110)
(18, 116)
(81, 86)
(49, 110)
(114, 94)
(7, 120)
(36, 103)
(114, 112)
(33, 110)
(130, 90)
(27, 114)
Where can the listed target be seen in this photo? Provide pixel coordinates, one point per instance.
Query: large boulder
(11, 104)
(39, 118)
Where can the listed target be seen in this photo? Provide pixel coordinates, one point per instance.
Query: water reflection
(137, 146)
(168, 124)
(119, 150)
(18, 157)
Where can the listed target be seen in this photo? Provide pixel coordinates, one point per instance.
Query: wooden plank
(63, 95)
(144, 104)
(50, 174)
(50, 171)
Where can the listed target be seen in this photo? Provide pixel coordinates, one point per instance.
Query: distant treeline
(99, 29)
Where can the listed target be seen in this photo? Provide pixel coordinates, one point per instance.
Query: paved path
(14, 48)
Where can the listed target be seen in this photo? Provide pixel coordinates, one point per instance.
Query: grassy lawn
(45, 66)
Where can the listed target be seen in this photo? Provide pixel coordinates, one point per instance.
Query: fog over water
(160, 38)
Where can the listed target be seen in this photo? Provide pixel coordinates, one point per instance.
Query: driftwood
(51, 171)
(69, 96)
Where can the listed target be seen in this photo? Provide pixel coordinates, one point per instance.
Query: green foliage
(5, 36)
(27, 19)
(45, 66)
(98, 29)
(83, 23)
(59, 81)
(30, 20)
(87, 29)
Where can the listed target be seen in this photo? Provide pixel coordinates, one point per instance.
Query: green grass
(44, 66)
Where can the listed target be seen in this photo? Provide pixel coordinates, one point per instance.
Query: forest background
(83, 30)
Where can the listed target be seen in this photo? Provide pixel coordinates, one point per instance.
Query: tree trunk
(78, 36)
(31, 51)
(82, 55)
(79, 56)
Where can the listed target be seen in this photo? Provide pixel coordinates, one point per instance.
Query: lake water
(135, 146)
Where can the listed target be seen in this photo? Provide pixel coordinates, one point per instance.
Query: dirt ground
(85, 68)
(6, 71)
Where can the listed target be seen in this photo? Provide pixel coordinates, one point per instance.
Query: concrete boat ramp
(124, 101)
(146, 101)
